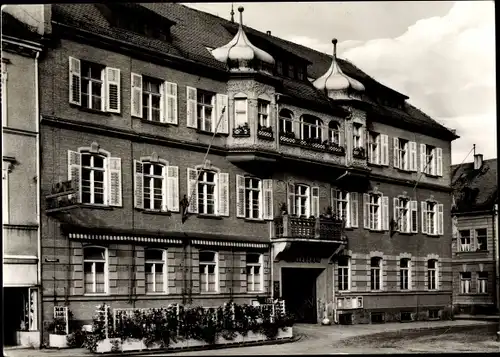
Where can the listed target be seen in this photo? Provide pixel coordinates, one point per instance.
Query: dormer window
(279, 67)
(300, 73)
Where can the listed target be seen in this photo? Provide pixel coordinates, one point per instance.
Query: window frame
(149, 80)
(164, 187)
(203, 184)
(430, 152)
(260, 264)
(482, 282)
(240, 113)
(316, 127)
(376, 274)
(88, 87)
(468, 237)
(377, 214)
(264, 119)
(285, 121)
(432, 275)
(6, 165)
(374, 148)
(345, 199)
(406, 269)
(105, 271)
(105, 173)
(334, 132)
(202, 122)
(306, 196)
(402, 210)
(215, 264)
(404, 154)
(357, 135)
(344, 274)
(485, 237)
(154, 262)
(465, 283)
(248, 203)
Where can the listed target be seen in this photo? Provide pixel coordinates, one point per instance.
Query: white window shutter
(115, 181)
(423, 206)
(414, 216)
(222, 103)
(113, 90)
(138, 185)
(370, 150)
(170, 111)
(172, 188)
(384, 150)
(191, 98)
(75, 82)
(240, 196)
(315, 202)
(366, 210)
(192, 184)
(291, 198)
(378, 153)
(268, 199)
(136, 95)
(396, 152)
(334, 201)
(423, 161)
(473, 239)
(353, 206)
(75, 171)
(440, 219)
(385, 213)
(395, 206)
(223, 194)
(439, 161)
(413, 155)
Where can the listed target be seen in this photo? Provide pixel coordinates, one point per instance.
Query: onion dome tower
(335, 83)
(241, 56)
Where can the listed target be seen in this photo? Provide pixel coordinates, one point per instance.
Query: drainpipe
(38, 203)
(497, 263)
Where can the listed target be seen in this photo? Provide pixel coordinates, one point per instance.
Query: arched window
(156, 270)
(93, 177)
(286, 121)
(310, 127)
(95, 269)
(376, 273)
(208, 271)
(333, 132)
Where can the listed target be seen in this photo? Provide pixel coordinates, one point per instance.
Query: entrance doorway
(299, 293)
(19, 313)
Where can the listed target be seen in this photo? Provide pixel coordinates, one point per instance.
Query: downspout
(497, 263)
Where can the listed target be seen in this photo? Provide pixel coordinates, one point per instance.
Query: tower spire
(232, 12)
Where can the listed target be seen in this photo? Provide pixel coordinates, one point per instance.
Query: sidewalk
(305, 332)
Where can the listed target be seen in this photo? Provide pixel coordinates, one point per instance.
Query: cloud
(445, 64)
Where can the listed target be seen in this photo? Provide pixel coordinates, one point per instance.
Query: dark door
(13, 313)
(299, 292)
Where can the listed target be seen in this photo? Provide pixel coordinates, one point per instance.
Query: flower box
(57, 341)
(264, 134)
(28, 338)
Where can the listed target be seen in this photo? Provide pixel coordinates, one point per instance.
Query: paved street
(315, 339)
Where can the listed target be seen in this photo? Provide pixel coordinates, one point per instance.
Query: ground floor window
(465, 280)
(482, 282)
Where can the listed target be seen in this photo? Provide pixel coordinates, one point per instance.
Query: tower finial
(232, 12)
(241, 9)
(334, 41)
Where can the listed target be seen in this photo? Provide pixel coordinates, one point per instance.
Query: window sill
(156, 293)
(96, 294)
(96, 206)
(255, 220)
(157, 123)
(209, 292)
(375, 165)
(209, 216)
(473, 251)
(210, 133)
(433, 235)
(256, 292)
(160, 213)
(376, 230)
(432, 176)
(404, 170)
(89, 110)
(406, 233)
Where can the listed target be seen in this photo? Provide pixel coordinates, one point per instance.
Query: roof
(15, 28)
(474, 190)
(195, 30)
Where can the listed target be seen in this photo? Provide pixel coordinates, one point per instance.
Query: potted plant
(242, 130)
(359, 152)
(58, 330)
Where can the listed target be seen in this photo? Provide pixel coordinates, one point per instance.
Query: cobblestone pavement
(315, 339)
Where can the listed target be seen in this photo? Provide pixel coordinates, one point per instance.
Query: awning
(123, 238)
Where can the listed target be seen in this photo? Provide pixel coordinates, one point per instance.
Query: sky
(441, 54)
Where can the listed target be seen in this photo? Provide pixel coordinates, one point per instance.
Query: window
(208, 271)
(151, 99)
(344, 278)
(356, 136)
(375, 273)
(432, 218)
(374, 147)
(334, 133)
(345, 206)
(3, 88)
(92, 85)
(405, 215)
(310, 127)
(481, 239)
(205, 110)
(240, 112)
(254, 272)
(263, 113)
(207, 192)
(95, 268)
(402, 152)
(376, 211)
(404, 274)
(286, 121)
(300, 72)
(342, 204)
(303, 200)
(156, 270)
(432, 274)
(154, 186)
(482, 282)
(279, 67)
(465, 281)
(93, 178)
(5, 191)
(465, 241)
(431, 160)
(253, 198)
(302, 203)
(291, 71)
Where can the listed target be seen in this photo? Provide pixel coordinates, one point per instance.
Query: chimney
(268, 33)
(478, 161)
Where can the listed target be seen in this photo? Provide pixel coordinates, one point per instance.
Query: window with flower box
(255, 276)
(209, 271)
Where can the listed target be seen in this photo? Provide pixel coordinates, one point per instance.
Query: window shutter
(473, 239)
(136, 95)
(75, 171)
(138, 185)
(172, 188)
(423, 206)
(395, 206)
(115, 181)
(191, 97)
(353, 205)
(268, 198)
(422, 158)
(334, 201)
(385, 213)
(366, 210)
(240, 196)
(192, 184)
(439, 161)
(414, 216)
(222, 102)
(223, 194)
(75, 86)
(291, 198)
(370, 151)
(170, 90)
(378, 154)
(413, 156)
(396, 152)
(385, 150)
(113, 92)
(315, 202)
(440, 219)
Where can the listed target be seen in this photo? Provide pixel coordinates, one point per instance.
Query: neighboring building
(132, 94)
(21, 47)
(475, 240)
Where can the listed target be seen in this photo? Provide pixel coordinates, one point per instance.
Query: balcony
(313, 229)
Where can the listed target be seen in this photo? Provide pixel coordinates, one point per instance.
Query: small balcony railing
(322, 228)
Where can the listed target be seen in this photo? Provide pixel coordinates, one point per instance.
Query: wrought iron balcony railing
(322, 228)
